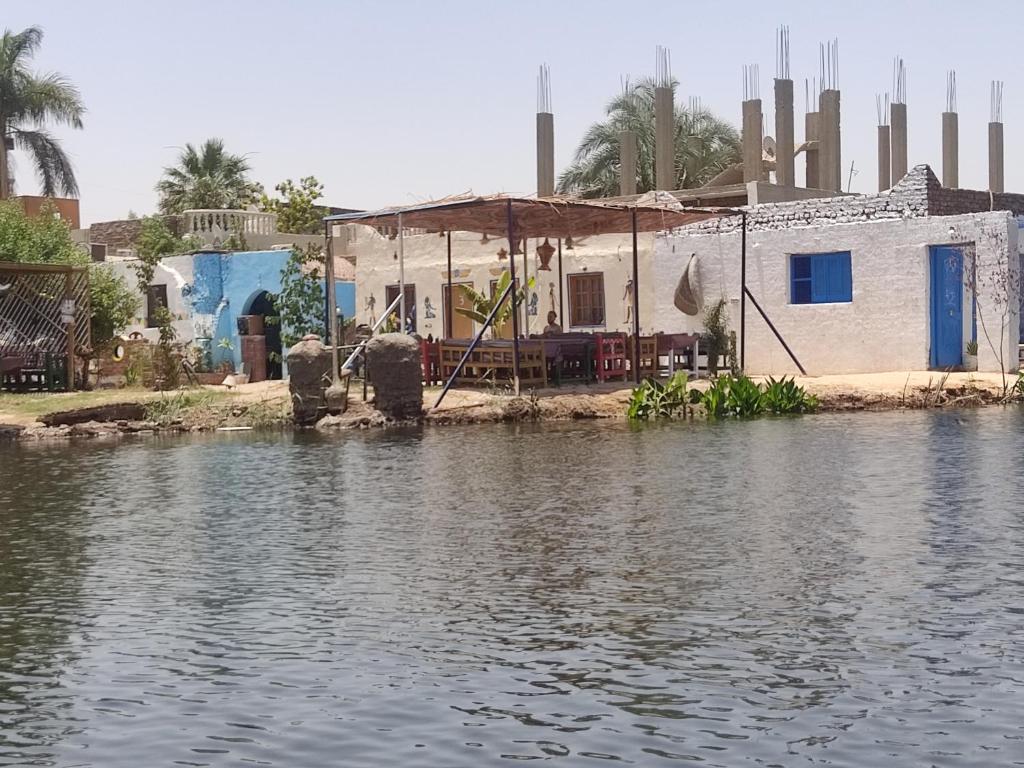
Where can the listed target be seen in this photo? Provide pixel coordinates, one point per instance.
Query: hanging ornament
(485, 239)
(502, 254)
(568, 243)
(544, 252)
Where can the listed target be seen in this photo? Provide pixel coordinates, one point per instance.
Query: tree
(28, 101)
(156, 241)
(301, 302)
(297, 213)
(208, 177)
(705, 145)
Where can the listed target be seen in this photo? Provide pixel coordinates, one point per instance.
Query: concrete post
(664, 140)
(950, 150)
(752, 140)
(830, 139)
(884, 159)
(785, 164)
(627, 163)
(898, 134)
(813, 177)
(545, 154)
(995, 157)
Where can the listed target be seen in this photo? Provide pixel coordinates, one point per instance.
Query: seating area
(22, 371)
(562, 357)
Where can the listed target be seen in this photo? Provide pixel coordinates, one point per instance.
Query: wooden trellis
(44, 315)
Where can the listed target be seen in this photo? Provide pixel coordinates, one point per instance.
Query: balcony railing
(220, 224)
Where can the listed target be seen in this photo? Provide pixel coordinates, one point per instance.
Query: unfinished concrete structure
(950, 136)
(627, 163)
(829, 132)
(995, 139)
(884, 149)
(785, 161)
(664, 123)
(545, 136)
(898, 122)
(812, 175)
(753, 138)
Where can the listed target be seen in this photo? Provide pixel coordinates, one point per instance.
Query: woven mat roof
(544, 217)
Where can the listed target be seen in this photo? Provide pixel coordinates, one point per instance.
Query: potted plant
(971, 356)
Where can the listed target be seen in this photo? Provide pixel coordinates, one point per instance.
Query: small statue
(428, 309)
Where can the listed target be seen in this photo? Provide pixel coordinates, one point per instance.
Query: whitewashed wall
(885, 328)
(476, 262)
(174, 272)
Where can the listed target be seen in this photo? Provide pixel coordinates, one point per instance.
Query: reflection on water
(839, 590)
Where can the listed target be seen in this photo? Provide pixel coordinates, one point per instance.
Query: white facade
(476, 261)
(886, 327)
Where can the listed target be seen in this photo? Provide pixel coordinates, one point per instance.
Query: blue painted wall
(226, 284)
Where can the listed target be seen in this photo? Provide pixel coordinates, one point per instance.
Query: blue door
(947, 310)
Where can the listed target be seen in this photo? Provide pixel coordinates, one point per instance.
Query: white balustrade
(213, 224)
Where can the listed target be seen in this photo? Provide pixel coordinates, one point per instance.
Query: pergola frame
(522, 218)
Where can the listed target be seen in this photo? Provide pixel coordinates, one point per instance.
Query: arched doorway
(263, 305)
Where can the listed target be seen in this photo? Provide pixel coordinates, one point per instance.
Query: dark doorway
(263, 305)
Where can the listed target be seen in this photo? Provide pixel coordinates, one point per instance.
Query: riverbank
(267, 404)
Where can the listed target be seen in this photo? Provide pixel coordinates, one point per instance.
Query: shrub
(740, 397)
(654, 400)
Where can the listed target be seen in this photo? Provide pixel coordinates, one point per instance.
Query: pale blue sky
(392, 102)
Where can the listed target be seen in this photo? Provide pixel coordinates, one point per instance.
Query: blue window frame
(820, 278)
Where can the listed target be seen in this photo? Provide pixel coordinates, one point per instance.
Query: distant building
(65, 207)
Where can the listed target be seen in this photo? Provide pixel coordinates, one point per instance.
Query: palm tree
(705, 145)
(206, 178)
(28, 101)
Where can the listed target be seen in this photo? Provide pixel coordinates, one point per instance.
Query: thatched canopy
(545, 217)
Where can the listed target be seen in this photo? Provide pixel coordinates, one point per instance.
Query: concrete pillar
(995, 157)
(545, 154)
(950, 150)
(898, 132)
(752, 140)
(813, 179)
(785, 164)
(884, 159)
(627, 163)
(830, 141)
(664, 140)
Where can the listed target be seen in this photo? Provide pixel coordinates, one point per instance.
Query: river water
(840, 590)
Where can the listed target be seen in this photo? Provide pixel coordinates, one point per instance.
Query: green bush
(740, 397)
(786, 396)
(654, 400)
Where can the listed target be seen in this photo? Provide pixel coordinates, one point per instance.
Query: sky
(393, 102)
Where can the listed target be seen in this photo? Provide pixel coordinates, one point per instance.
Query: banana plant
(481, 304)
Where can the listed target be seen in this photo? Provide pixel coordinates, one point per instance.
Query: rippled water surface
(840, 590)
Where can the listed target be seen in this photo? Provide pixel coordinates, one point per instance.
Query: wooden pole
(331, 325)
(743, 290)
(451, 297)
(401, 274)
(561, 308)
(69, 296)
(515, 299)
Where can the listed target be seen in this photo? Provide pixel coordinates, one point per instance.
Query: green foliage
(654, 400)
(43, 239)
(297, 211)
(28, 101)
(208, 177)
(740, 397)
(483, 304)
(705, 145)
(716, 333)
(300, 304)
(154, 243)
(169, 410)
(166, 363)
(112, 303)
(972, 347)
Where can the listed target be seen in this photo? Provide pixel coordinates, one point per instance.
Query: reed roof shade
(531, 217)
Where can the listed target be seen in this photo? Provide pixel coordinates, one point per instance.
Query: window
(586, 299)
(820, 278)
(156, 297)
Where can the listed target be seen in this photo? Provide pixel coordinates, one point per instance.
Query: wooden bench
(492, 361)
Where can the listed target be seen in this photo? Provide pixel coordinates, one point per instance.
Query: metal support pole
(561, 308)
(451, 297)
(515, 300)
(743, 290)
(636, 306)
(778, 335)
(526, 290)
(401, 274)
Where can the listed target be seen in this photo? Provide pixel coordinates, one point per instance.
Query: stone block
(309, 374)
(396, 371)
